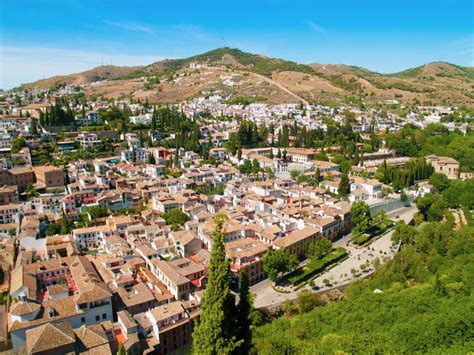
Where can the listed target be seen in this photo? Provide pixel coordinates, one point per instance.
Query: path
(281, 87)
(268, 80)
(342, 273)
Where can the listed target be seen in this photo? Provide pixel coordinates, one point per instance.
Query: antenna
(223, 42)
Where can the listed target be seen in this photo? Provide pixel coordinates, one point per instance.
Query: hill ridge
(438, 81)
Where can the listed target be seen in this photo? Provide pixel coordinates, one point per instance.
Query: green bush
(316, 266)
(372, 232)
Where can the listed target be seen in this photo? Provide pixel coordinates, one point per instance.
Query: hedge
(316, 266)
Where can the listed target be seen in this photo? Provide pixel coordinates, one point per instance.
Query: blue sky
(47, 37)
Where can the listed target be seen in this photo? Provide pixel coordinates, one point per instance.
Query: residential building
(444, 165)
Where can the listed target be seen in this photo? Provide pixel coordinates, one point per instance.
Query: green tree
(17, 144)
(175, 217)
(460, 193)
(176, 158)
(30, 191)
(307, 301)
(97, 212)
(246, 167)
(360, 215)
(244, 314)
(278, 261)
(344, 185)
(153, 121)
(439, 181)
(319, 248)
(317, 176)
(121, 349)
(53, 229)
(294, 174)
(66, 225)
(215, 331)
(255, 167)
(379, 217)
(33, 129)
(151, 159)
(431, 207)
(404, 233)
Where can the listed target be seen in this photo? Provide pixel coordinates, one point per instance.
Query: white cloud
(130, 26)
(316, 28)
(26, 64)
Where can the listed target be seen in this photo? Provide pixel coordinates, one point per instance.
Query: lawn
(316, 266)
(372, 232)
(361, 238)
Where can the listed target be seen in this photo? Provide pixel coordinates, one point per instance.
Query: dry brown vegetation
(275, 79)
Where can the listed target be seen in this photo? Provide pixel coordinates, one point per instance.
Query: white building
(141, 119)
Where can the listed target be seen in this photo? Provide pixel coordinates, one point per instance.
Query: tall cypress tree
(317, 176)
(244, 309)
(33, 128)
(214, 334)
(344, 185)
(153, 120)
(42, 119)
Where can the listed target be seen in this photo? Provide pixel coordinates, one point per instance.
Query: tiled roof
(49, 336)
(24, 307)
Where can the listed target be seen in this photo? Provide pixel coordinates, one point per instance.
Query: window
(83, 320)
(104, 316)
(97, 318)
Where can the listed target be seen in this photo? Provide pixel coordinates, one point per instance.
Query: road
(281, 87)
(270, 81)
(344, 273)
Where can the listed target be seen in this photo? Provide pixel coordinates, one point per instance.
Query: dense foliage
(460, 194)
(219, 331)
(424, 303)
(245, 100)
(414, 170)
(435, 139)
(175, 217)
(360, 214)
(276, 262)
(60, 114)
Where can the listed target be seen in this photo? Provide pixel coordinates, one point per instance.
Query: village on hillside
(107, 208)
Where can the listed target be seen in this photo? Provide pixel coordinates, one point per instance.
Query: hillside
(437, 69)
(233, 72)
(421, 302)
(89, 76)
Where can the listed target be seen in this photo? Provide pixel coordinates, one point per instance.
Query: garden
(316, 266)
(373, 232)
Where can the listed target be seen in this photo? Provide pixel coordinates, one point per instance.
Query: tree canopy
(175, 217)
(319, 248)
(278, 261)
(215, 332)
(420, 302)
(360, 215)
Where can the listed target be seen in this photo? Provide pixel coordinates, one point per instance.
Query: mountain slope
(232, 72)
(437, 69)
(89, 76)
